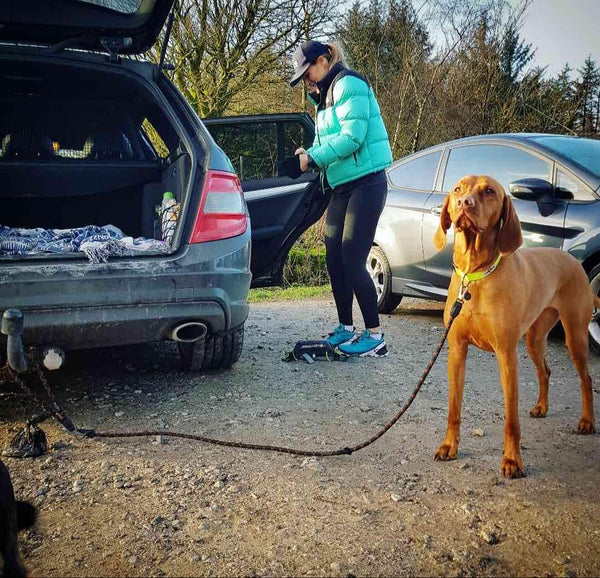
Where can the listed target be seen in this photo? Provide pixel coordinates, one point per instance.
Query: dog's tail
(26, 515)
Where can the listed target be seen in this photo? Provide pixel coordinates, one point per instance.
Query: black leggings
(352, 218)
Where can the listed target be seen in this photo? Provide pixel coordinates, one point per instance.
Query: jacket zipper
(321, 173)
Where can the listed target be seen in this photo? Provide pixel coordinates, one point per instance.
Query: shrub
(306, 261)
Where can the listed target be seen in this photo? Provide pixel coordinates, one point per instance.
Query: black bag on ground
(316, 349)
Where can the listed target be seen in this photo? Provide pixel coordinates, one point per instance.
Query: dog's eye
(489, 191)
(457, 190)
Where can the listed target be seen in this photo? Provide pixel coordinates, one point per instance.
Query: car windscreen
(583, 151)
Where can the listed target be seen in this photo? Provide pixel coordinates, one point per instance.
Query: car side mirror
(537, 190)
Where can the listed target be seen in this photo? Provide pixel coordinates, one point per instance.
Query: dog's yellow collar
(466, 278)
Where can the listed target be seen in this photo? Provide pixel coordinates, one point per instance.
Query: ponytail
(335, 55)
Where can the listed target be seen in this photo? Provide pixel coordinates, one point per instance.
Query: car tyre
(379, 269)
(216, 351)
(192, 354)
(594, 327)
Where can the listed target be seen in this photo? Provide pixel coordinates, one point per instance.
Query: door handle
(437, 210)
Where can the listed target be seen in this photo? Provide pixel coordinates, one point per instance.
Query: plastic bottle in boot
(169, 212)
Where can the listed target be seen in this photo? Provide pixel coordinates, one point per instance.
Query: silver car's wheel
(594, 327)
(378, 268)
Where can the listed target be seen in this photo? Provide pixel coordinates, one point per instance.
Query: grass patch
(293, 293)
(306, 266)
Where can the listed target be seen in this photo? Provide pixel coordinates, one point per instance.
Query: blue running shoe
(365, 346)
(340, 336)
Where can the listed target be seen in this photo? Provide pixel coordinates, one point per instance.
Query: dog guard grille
(36, 145)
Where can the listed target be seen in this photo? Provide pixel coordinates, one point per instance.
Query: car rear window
(122, 6)
(418, 174)
(583, 151)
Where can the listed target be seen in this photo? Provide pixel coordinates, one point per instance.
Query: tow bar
(12, 327)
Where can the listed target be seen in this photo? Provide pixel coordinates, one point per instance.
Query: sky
(563, 31)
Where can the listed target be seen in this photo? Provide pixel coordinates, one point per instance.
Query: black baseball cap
(305, 55)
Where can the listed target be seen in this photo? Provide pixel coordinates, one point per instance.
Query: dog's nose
(466, 201)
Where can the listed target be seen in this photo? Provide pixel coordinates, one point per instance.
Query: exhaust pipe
(12, 327)
(188, 332)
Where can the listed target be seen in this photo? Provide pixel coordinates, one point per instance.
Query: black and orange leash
(60, 415)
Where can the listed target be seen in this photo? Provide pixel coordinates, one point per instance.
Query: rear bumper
(81, 328)
(77, 305)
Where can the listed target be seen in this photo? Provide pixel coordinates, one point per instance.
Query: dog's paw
(538, 411)
(512, 468)
(446, 452)
(586, 426)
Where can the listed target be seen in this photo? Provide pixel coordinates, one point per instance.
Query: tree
(388, 44)
(515, 54)
(221, 48)
(587, 91)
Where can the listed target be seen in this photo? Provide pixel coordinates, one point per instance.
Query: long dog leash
(58, 413)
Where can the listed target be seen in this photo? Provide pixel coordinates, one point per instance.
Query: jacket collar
(326, 81)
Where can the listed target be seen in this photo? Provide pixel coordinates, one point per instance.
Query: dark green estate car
(91, 140)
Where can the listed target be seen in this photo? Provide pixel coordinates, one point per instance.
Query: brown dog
(526, 294)
(14, 516)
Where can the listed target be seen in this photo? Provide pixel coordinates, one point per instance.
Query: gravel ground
(166, 507)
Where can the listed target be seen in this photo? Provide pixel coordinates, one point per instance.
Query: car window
(295, 137)
(252, 148)
(567, 182)
(122, 6)
(583, 151)
(503, 163)
(416, 174)
(152, 137)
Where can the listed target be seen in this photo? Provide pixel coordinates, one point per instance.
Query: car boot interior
(82, 146)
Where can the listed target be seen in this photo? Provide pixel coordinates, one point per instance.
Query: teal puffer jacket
(351, 140)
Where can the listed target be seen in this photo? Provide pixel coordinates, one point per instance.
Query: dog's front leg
(457, 357)
(512, 463)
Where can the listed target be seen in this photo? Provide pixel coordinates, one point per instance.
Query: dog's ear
(439, 239)
(509, 238)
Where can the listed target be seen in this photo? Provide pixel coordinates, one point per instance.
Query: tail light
(222, 213)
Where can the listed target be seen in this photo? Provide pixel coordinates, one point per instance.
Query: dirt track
(143, 507)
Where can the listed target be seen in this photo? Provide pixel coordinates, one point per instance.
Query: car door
(542, 225)
(280, 208)
(410, 182)
(581, 222)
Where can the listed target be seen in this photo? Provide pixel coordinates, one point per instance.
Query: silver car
(554, 182)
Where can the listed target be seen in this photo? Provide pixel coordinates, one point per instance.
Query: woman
(352, 150)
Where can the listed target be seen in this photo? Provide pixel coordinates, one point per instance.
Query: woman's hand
(303, 159)
(303, 162)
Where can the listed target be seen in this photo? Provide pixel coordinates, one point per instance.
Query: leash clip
(463, 293)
